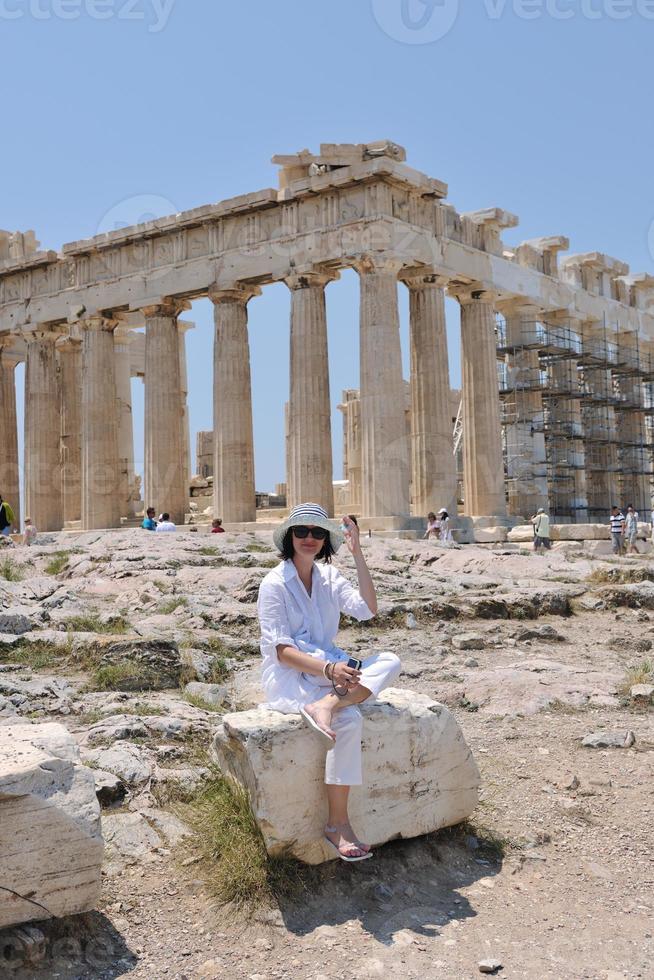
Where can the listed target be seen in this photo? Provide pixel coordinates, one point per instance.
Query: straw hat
(309, 514)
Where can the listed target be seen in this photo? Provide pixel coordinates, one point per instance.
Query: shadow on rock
(80, 947)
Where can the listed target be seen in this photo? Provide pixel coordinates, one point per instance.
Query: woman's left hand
(351, 535)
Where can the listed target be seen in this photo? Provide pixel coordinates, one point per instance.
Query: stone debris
(468, 641)
(490, 966)
(609, 740)
(50, 840)
(213, 694)
(420, 774)
(642, 693)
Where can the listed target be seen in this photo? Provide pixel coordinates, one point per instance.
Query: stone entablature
(331, 219)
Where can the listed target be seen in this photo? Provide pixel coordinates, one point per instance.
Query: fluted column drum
(100, 467)
(309, 411)
(433, 465)
(483, 464)
(42, 432)
(384, 437)
(233, 477)
(166, 483)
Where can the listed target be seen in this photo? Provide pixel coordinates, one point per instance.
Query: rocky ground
(554, 875)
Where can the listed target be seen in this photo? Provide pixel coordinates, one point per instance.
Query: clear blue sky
(543, 108)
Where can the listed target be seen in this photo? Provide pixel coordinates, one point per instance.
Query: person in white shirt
(300, 603)
(165, 523)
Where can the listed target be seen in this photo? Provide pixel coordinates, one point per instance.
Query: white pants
(343, 762)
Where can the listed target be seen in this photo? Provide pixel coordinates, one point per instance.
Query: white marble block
(419, 774)
(50, 838)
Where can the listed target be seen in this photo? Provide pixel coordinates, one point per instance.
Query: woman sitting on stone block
(300, 602)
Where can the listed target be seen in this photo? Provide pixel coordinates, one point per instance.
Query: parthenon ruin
(565, 423)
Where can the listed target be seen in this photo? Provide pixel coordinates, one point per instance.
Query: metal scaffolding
(593, 402)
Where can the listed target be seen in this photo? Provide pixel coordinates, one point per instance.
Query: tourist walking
(217, 526)
(631, 530)
(433, 526)
(29, 533)
(149, 523)
(617, 529)
(7, 517)
(445, 534)
(300, 603)
(164, 523)
(541, 522)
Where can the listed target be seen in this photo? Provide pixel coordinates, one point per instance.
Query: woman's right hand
(345, 676)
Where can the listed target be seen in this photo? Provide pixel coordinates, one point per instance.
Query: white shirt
(309, 623)
(166, 526)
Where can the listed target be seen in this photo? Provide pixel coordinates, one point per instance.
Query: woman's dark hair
(325, 553)
(444, 513)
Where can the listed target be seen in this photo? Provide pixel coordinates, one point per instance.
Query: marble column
(384, 441)
(433, 466)
(233, 473)
(42, 432)
(524, 417)
(483, 463)
(310, 473)
(123, 367)
(166, 486)
(9, 467)
(635, 463)
(101, 484)
(182, 328)
(70, 370)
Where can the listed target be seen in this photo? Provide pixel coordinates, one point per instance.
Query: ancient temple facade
(556, 405)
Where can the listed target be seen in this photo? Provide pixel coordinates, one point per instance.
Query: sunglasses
(317, 533)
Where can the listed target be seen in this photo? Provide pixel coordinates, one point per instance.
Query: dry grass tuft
(234, 862)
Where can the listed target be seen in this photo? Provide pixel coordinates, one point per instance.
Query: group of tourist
(438, 526)
(164, 523)
(624, 530)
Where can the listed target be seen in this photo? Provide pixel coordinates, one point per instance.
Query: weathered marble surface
(419, 773)
(50, 838)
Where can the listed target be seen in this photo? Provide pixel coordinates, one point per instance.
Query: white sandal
(312, 723)
(351, 859)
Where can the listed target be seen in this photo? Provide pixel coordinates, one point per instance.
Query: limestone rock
(642, 693)
(468, 641)
(213, 694)
(109, 788)
(50, 839)
(419, 773)
(490, 966)
(16, 622)
(609, 740)
(124, 760)
(158, 661)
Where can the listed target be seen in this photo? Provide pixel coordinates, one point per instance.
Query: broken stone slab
(157, 663)
(609, 740)
(109, 788)
(213, 694)
(642, 693)
(468, 641)
(123, 759)
(50, 840)
(16, 622)
(419, 773)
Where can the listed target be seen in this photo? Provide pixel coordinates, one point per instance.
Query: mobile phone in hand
(354, 663)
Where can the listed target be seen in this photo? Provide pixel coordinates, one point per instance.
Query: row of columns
(390, 463)
(79, 452)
